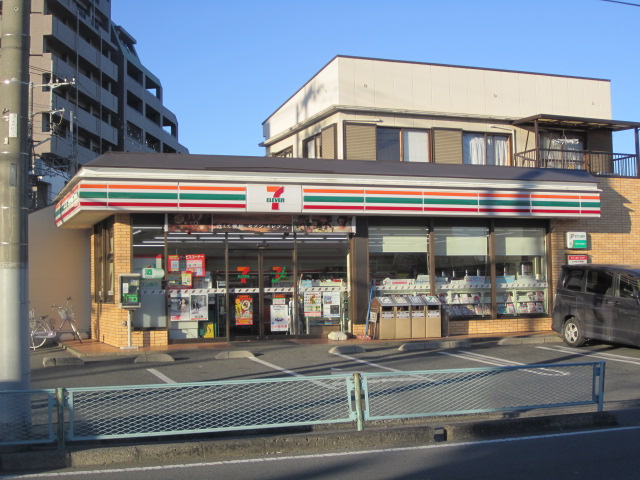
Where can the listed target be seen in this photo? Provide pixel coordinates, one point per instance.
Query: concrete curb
(154, 358)
(228, 354)
(60, 361)
(530, 340)
(344, 349)
(433, 345)
(297, 443)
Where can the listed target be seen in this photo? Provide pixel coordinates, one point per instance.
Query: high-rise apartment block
(90, 94)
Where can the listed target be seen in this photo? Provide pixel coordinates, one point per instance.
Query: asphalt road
(280, 359)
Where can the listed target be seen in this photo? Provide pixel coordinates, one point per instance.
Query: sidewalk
(93, 348)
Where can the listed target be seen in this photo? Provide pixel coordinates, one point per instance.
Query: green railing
(81, 414)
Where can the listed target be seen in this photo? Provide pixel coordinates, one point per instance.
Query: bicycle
(41, 329)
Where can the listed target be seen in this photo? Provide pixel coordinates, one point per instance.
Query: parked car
(598, 302)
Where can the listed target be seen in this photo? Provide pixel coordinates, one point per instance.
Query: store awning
(181, 183)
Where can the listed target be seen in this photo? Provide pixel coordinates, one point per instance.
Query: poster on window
(244, 310)
(279, 318)
(331, 304)
(195, 264)
(312, 304)
(190, 222)
(199, 307)
(324, 224)
(179, 307)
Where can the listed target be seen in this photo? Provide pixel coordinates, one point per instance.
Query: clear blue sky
(226, 65)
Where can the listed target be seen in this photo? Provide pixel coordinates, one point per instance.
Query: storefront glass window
(521, 283)
(322, 288)
(462, 269)
(398, 255)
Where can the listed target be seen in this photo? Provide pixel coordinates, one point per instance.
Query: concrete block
(104, 456)
(345, 349)
(233, 448)
(61, 361)
(154, 358)
(228, 354)
(173, 452)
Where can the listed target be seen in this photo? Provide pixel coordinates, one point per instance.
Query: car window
(573, 280)
(599, 282)
(628, 284)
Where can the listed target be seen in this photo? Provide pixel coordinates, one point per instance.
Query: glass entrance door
(260, 292)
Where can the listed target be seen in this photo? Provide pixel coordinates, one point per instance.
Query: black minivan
(599, 302)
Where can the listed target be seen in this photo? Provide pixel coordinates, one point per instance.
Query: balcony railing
(598, 163)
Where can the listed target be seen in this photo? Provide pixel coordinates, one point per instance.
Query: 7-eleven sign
(274, 198)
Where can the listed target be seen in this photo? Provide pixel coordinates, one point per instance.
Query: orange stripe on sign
(451, 194)
(273, 188)
(143, 187)
(507, 195)
(391, 192)
(93, 185)
(330, 190)
(213, 189)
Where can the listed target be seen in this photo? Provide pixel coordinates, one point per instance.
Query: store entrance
(261, 293)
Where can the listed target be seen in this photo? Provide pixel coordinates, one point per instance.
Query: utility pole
(14, 159)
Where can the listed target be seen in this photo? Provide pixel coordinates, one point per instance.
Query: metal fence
(79, 414)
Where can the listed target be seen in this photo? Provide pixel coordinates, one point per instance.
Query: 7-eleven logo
(276, 196)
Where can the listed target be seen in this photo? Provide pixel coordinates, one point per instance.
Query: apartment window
(386, 144)
(485, 149)
(312, 147)
(104, 260)
(134, 132)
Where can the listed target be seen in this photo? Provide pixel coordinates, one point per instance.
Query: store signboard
(577, 259)
(274, 198)
(577, 240)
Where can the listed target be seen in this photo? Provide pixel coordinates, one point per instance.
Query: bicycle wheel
(37, 342)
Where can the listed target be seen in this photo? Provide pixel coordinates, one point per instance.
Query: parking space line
(499, 362)
(290, 372)
(161, 376)
(364, 362)
(605, 356)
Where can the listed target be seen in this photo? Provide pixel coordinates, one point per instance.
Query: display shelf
(522, 297)
(468, 297)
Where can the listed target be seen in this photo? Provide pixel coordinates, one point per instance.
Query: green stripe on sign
(146, 196)
(210, 196)
(449, 201)
(591, 204)
(92, 194)
(555, 204)
(504, 203)
(393, 200)
(314, 198)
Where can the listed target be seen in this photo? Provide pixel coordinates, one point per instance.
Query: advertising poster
(199, 307)
(173, 263)
(279, 318)
(312, 304)
(195, 264)
(190, 222)
(179, 308)
(324, 224)
(244, 310)
(331, 304)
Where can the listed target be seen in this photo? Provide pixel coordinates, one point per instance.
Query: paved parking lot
(277, 359)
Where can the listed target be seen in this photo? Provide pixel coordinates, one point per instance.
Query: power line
(623, 3)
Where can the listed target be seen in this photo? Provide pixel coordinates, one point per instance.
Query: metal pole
(14, 158)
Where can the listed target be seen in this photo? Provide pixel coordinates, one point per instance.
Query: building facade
(392, 183)
(90, 94)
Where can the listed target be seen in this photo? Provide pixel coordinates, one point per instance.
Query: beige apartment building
(90, 94)
(393, 193)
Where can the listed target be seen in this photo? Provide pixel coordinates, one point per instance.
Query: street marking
(322, 455)
(364, 362)
(500, 362)
(290, 372)
(605, 356)
(161, 376)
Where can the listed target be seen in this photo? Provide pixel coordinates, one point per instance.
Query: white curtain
(415, 146)
(473, 149)
(497, 150)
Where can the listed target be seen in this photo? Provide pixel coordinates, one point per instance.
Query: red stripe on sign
(211, 205)
(142, 204)
(433, 209)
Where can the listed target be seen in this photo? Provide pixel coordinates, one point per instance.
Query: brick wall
(108, 320)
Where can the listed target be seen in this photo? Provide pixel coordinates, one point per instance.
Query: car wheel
(572, 333)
